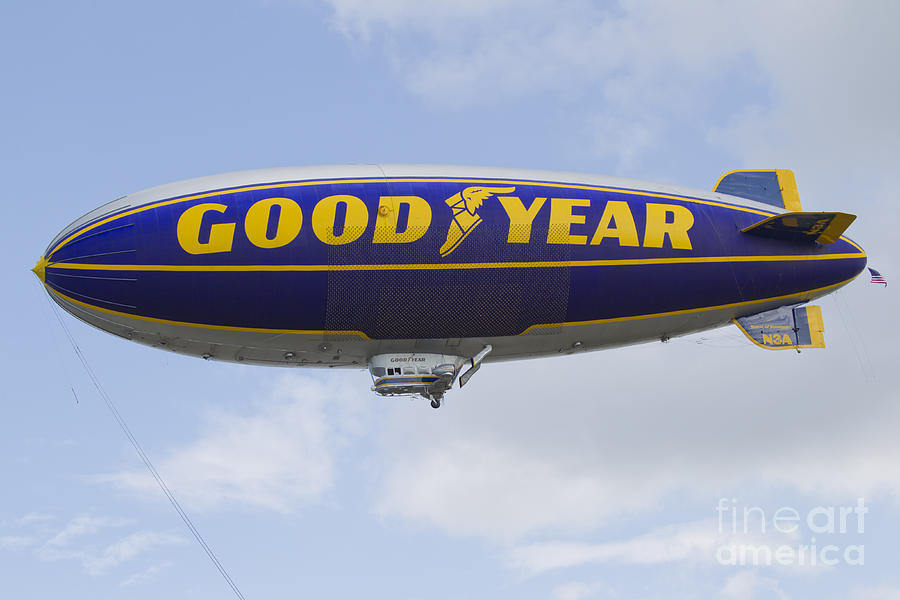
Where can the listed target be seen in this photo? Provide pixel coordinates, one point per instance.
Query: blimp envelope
(415, 270)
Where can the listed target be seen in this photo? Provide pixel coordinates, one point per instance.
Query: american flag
(877, 278)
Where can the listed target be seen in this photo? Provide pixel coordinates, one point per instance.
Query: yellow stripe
(396, 180)
(790, 197)
(685, 311)
(816, 326)
(854, 244)
(204, 325)
(838, 225)
(462, 266)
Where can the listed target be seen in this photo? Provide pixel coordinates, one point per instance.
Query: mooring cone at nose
(39, 268)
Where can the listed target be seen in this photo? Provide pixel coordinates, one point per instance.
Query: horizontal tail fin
(785, 328)
(822, 227)
(777, 187)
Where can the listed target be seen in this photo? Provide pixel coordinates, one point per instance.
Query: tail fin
(822, 227)
(777, 187)
(785, 328)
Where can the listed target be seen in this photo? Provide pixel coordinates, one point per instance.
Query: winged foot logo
(465, 205)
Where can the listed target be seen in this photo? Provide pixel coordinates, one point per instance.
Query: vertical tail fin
(777, 187)
(785, 328)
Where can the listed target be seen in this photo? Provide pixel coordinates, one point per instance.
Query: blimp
(422, 273)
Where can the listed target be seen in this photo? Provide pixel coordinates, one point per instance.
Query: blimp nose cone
(40, 268)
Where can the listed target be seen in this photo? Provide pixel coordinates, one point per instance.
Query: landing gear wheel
(435, 404)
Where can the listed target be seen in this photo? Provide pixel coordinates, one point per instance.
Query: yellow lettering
(767, 339)
(658, 226)
(625, 229)
(290, 218)
(562, 219)
(819, 226)
(520, 218)
(388, 217)
(324, 215)
(221, 235)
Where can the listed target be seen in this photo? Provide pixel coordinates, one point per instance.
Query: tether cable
(113, 409)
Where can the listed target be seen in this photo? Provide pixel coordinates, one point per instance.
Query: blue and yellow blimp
(420, 273)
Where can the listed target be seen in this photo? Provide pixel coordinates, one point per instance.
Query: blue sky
(592, 476)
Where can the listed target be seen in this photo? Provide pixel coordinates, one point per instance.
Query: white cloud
(882, 592)
(16, 542)
(32, 519)
(85, 539)
(636, 73)
(473, 486)
(694, 542)
(126, 549)
(652, 73)
(540, 447)
(280, 457)
(567, 445)
(359, 17)
(97, 561)
(745, 585)
(147, 574)
(834, 110)
(698, 543)
(505, 47)
(577, 590)
(36, 525)
(624, 140)
(84, 525)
